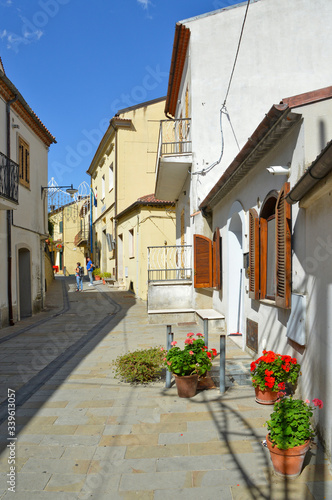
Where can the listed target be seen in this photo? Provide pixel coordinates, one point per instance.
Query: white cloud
(144, 3)
(32, 36)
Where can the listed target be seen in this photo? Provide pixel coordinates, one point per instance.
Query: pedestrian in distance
(79, 273)
(89, 268)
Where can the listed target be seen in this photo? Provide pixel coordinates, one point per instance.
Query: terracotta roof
(308, 97)
(8, 91)
(180, 46)
(261, 141)
(147, 200)
(150, 198)
(318, 170)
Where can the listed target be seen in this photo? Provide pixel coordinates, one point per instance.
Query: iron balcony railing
(81, 237)
(170, 263)
(8, 178)
(175, 137)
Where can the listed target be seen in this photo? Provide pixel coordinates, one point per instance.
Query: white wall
(29, 219)
(285, 51)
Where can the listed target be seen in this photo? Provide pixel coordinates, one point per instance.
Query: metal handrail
(170, 263)
(175, 136)
(8, 178)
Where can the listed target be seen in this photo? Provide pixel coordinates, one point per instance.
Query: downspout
(9, 225)
(137, 256)
(116, 200)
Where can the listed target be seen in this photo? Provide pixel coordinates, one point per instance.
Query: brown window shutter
(216, 249)
(283, 249)
(253, 254)
(202, 261)
(263, 257)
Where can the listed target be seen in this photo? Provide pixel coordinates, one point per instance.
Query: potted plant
(290, 434)
(271, 373)
(189, 363)
(96, 273)
(105, 277)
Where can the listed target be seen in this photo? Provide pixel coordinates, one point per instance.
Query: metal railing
(175, 137)
(8, 178)
(170, 263)
(81, 237)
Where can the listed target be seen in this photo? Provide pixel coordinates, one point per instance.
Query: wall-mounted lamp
(70, 190)
(279, 170)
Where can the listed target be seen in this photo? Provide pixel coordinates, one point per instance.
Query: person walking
(79, 277)
(89, 268)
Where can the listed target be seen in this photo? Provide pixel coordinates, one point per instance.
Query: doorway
(24, 276)
(235, 320)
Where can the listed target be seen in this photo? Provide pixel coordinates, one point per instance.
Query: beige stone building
(122, 171)
(146, 223)
(24, 144)
(69, 243)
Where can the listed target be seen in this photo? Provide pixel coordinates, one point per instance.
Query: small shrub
(96, 272)
(141, 366)
(106, 275)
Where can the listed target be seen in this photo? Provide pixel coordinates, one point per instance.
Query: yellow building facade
(69, 243)
(122, 171)
(146, 223)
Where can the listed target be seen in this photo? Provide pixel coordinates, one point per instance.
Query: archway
(235, 320)
(24, 282)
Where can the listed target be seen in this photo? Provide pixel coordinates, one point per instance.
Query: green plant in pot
(290, 433)
(189, 363)
(271, 373)
(96, 273)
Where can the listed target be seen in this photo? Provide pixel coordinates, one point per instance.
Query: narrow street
(82, 434)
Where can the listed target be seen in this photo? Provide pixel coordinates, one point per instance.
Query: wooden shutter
(202, 261)
(253, 254)
(216, 250)
(263, 257)
(283, 249)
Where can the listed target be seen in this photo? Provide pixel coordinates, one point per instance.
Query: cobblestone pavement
(82, 434)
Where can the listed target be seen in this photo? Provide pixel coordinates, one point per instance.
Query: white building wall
(285, 51)
(311, 260)
(29, 219)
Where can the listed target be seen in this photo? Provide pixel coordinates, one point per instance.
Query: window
(24, 162)
(110, 177)
(270, 250)
(61, 226)
(207, 261)
(131, 250)
(268, 247)
(103, 187)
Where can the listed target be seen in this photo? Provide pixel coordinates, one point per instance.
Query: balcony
(8, 183)
(82, 237)
(170, 263)
(174, 158)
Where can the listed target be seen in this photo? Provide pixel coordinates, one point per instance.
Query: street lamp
(70, 190)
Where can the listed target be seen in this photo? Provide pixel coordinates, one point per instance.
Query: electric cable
(223, 109)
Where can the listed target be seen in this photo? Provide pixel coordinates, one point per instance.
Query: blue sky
(76, 62)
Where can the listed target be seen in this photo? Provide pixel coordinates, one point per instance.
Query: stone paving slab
(82, 434)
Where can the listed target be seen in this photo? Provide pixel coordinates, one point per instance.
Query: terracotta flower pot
(97, 277)
(186, 385)
(288, 462)
(266, 397)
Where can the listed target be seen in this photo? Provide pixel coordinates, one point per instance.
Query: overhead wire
(223, 109)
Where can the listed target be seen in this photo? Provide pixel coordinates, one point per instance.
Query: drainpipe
(9, 225)
(115, 199)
